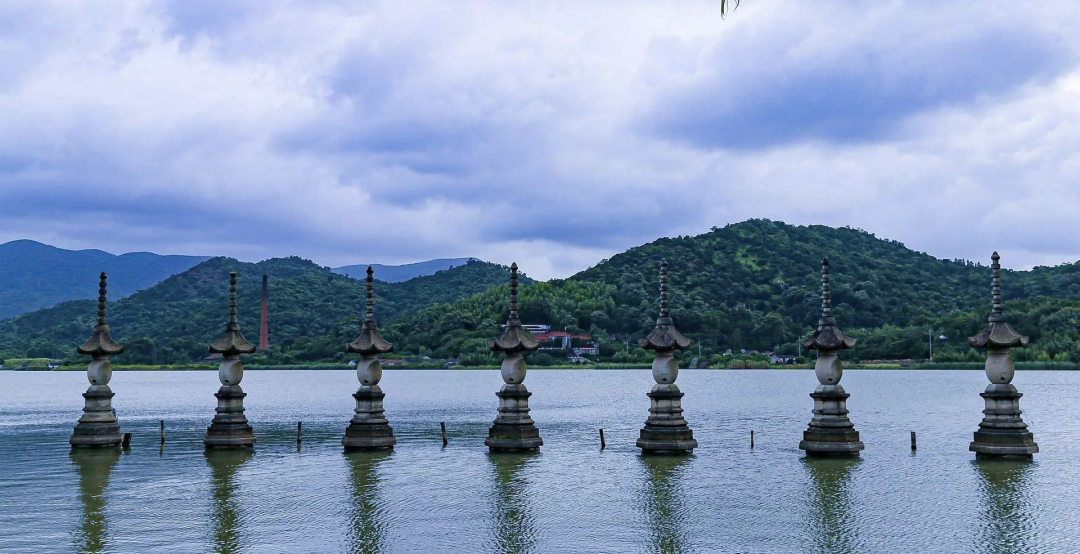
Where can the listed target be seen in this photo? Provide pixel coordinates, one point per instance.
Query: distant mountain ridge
(37, 275)
(404, 272)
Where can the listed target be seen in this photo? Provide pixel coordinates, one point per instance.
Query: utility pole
(931, 337)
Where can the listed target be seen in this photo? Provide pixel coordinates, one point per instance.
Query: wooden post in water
(603, 444)
(913, 447)
(299, 431)
(443, 425)
(127, 441)
(751, 439)
(162, 422)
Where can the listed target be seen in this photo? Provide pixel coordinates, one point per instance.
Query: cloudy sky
(550, 133)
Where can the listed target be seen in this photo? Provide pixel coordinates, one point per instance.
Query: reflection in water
(94, 466)
(1007, 517)
(223, 466)
(514, 529)
(368, 533)
(664, 499)
(831, 515)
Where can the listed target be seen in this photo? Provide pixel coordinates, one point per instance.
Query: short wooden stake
(127, 440)
(603, 444)
(913, 447)
(751, 439)
(299, 431)
(443, 425)
(162, 422)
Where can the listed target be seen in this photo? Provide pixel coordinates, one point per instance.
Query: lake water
(571, 497)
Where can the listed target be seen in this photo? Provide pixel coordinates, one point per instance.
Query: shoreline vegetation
(746, 288)
(1022, 366)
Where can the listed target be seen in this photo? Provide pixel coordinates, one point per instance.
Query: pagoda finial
(995, 272)
(100, 342)
(826, 291)
(514, 337)
(232, 300)
(998, 333)
(370, 296)
(101, 299)
(370, 342)
(232, 343)
(664, 336)
(664, 309)
(828, 336)
(514, 291)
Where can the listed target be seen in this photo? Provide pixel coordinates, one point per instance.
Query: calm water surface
(571, 497)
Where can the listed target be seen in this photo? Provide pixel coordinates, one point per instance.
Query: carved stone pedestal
(368, 429)
(513, 429)
(98, 426)
(831, 433)
(1002, 433)
(230, 428)
(666, 432)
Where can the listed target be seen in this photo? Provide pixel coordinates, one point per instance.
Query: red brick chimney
(263, 318)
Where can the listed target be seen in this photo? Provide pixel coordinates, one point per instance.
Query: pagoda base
(369, 429)
(1002, 434)
(666, 432)
(230, 428)
(831, 434)
(513, 429)
(97, 428)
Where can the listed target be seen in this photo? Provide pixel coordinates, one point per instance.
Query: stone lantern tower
(514, 430)
(665, 432)
(831, 433)
(230, 428)
(98, 426)
(369, 429)
(1002, 432)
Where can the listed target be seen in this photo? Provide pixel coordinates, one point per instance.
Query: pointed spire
(826, 291)
(232, 342)
(995, 286)
(998, 333)
(664, 309)
(828, 336)
(232, 301)
(370, 341)
(100, 342)
(370, 296)
(513, 291)
(514, 337)
(664, 336)
(102, 285)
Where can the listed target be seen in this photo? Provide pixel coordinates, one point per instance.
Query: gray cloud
(553, 135)
(817, 79)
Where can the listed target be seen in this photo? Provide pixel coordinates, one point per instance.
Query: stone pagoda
(369, 429)
(98, 426)
(831, 433)
(1002, 433)
(514, 430)
(230, 428)
(665, 432)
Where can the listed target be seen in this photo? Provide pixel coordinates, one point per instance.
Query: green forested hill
(756, 285)
(313, 311)
(752, 285)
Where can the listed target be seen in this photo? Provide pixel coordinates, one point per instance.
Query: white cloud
(550, 134)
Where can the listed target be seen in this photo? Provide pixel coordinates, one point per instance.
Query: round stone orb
(828, 369)
(665, 369)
